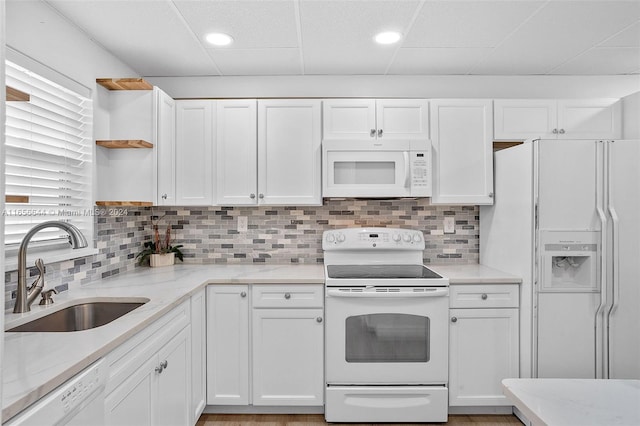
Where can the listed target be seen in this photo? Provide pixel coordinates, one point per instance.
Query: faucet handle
(47, 297)
(40, 266)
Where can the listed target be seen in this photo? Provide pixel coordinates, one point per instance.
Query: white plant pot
(165, 259)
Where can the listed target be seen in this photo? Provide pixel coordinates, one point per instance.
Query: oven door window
(385, 338)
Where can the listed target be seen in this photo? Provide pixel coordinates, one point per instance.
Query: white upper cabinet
(369, 119)
(195, 120)
(517, 119)
(289, 155)
(462, 142)
(268, 152)
(165, 128)
(236, 154)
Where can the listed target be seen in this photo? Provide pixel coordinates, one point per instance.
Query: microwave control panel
(420, 173)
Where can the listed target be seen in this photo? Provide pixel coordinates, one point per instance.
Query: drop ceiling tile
(561, 30)
(603, 61)
(252, 24)
(629, 37)
(337, 36)
(436, 61)
(134, 30)
(258, 61)
(467, 23)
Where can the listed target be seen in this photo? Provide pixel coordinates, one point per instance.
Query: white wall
(631, 116)
(455, 86)
(37, 31)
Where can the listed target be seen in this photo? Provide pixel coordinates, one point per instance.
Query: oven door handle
(427, 293)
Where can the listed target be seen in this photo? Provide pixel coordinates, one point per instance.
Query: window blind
(48, 158)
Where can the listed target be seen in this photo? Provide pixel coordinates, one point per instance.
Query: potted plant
(159, 252)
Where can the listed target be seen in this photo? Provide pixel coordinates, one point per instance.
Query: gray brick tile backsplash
(275, 235)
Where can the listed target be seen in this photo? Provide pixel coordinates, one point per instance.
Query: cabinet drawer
(484, 296)
(287, 296)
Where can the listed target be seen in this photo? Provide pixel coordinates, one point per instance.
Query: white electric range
(386, 328)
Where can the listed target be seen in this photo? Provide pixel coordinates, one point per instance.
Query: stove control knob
(330, 238)
(396, 237)
(406, 238)
(341, 238)
(417, 238)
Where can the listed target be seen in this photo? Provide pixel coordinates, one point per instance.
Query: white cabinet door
(236, 153)
(288, 357)
(516, 119)
(483, 350)
(402, 119)
(198, 355)
(349, 119)
(289, 154)
(131, 402)
(228, 344)
(174, 381)
(519, 119)
(462, 142)
(589, 118)
(165, 138)
(370, 119)
(194, 152)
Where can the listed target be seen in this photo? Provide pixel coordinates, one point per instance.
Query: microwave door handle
(407, 169)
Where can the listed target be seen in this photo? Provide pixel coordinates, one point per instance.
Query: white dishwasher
(79, 401)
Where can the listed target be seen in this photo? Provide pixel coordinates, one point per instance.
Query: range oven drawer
(377, 404)
(484, 296)
(288, 296)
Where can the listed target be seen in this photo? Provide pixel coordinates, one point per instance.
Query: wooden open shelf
(22, 199)
(124, 203)
(15, 95)
(497, 146)
(124, 83)
(124, 143)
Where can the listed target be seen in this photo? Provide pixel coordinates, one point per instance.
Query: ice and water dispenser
(570, 261)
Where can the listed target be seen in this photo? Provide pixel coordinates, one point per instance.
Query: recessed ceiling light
(219, 39)
(388, 37)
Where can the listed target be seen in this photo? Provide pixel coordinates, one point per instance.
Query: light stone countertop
(474, 274)
(579, 402)
(36, 363)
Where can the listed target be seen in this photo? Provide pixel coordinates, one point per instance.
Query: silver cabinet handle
(554, 131)
(319, 319)
(561, 131)
(164, 196)
(484, 296)
(454, 319)
(372, 133)
(379, 132)
(252, 196)
(287, 296)
(243, 294)
(159, 369)
(261, 196)
(164, 364)
(491, 195)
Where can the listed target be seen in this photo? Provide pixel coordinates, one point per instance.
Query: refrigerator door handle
(615, 236)
(601, 311)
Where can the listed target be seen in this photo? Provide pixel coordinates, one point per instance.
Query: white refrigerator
(566, 218)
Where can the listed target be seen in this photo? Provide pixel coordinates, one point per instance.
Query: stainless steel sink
(82, 316)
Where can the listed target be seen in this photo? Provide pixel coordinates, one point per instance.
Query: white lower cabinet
(150, 374)
(287, 356)
(265, 345)
(483, 343)
(198, 354)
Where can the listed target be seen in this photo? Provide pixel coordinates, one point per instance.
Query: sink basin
(82, 316)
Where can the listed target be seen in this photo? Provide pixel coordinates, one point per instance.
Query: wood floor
(318, 420)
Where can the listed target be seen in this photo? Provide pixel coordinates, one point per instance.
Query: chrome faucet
(25, 296)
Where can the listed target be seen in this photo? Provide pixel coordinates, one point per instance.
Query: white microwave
(400, 168)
